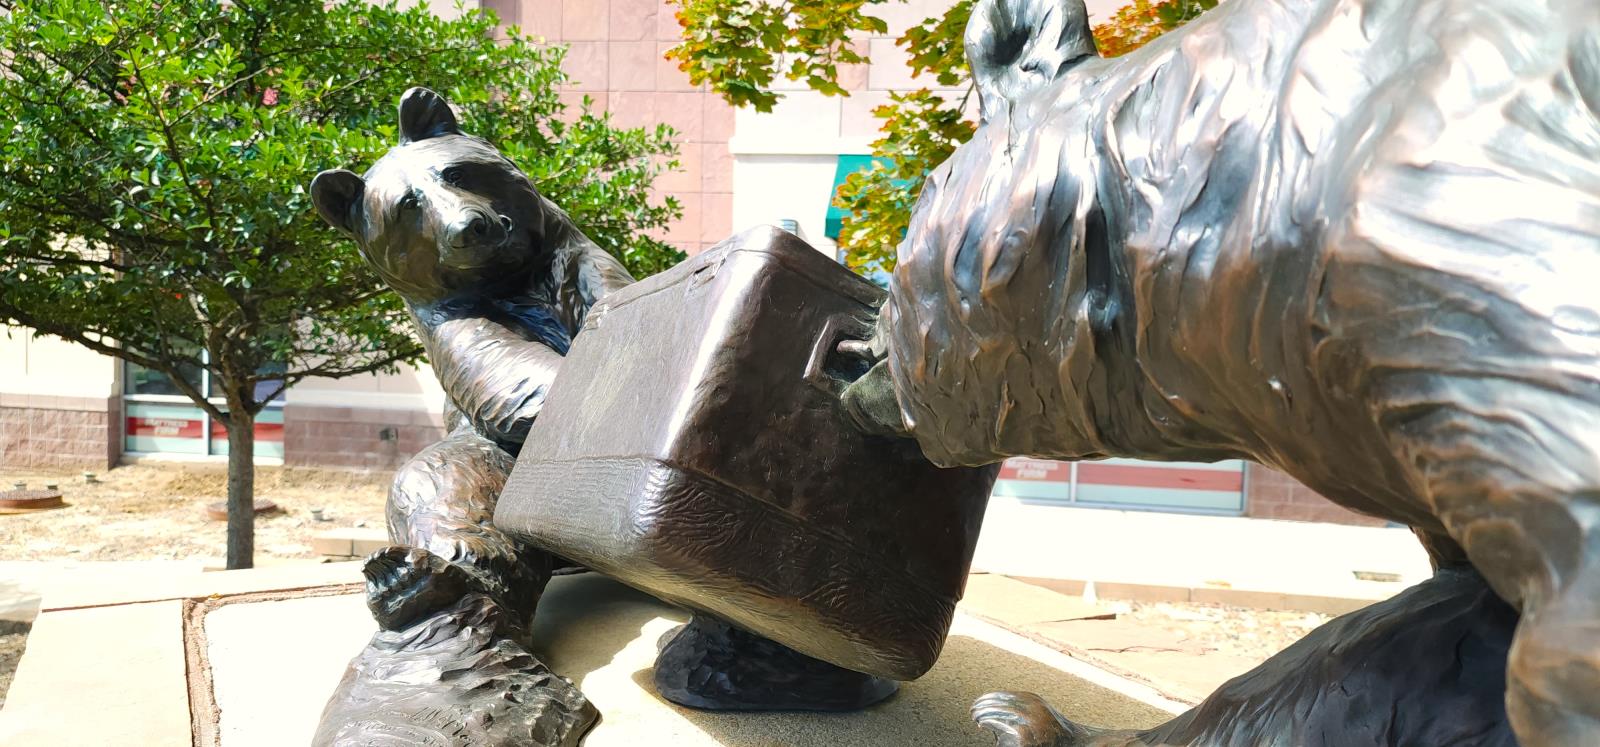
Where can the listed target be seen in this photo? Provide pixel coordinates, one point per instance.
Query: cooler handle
(830, 370)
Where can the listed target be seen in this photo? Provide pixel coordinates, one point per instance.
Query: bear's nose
(477, 225)
(476, 228)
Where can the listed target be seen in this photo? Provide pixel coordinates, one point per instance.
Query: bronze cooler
(693, 447)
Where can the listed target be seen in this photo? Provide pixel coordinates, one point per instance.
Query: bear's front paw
(871, 405)
(1026, 720)
(406, 583)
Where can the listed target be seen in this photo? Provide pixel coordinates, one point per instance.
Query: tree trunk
(241, 488)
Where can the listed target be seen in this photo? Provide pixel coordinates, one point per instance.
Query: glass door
(159, 419)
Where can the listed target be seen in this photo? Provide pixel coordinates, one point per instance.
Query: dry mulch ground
(156, 511)
(12, 637)
(1236, 631)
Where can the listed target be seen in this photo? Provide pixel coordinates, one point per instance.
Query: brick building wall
(62, 432)
(614, 56)
(1270, 494)
(359, 437)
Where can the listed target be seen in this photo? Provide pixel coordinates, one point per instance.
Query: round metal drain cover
(22, 499)
(219, 511)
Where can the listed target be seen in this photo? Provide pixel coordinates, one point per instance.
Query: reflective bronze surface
(1355, 240)
(498, 280)
(712, 665)
(694, 447)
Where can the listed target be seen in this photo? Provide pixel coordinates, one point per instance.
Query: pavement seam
(293, 592)
(203, 713)
(205, 717)
(1084, 656)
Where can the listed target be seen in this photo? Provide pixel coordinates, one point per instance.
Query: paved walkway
(1153, 556)
(1179, 557)
(272, 656)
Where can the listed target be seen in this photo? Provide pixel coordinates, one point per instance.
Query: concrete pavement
(254, 658)
(1153, 556)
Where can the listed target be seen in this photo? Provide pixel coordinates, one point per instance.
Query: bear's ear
(425, 114)
(337, 195)
(1018, 46)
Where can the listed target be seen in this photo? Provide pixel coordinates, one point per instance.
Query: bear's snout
(473, 236)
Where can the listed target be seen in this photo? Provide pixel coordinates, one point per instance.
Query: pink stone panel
(508, 11)
(668, 76)
(633, 20)
(686, 178)
(716, 217)
(632, 66)
(685, 112)
(718, 119)
(586, 64)
(716, 168)
(541, 18)
(685, 232)
(634, 109)
(585, 20)
(667, 27)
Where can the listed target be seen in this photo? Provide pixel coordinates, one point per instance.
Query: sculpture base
(711, 665)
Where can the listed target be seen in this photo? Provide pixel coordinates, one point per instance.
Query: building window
(1126, 483)
(159, 419)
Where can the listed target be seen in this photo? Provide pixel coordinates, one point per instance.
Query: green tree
(739, 47)
(153, 174)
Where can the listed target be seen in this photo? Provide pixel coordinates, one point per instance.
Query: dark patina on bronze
(695, 447)
(1354, 240)
(498, 280)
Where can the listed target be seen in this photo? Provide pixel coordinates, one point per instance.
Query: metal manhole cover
(23, 499)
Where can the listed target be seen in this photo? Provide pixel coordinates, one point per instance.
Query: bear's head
(442, 212)
(1018, 189)
(1002, 264)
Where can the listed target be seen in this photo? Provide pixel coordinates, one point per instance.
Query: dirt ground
(1233, 631)
(12, 636)
(156, 511)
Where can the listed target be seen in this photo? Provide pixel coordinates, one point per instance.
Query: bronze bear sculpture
(498, 280)
(1355, 240)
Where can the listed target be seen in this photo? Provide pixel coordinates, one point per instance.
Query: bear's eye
(451, 176)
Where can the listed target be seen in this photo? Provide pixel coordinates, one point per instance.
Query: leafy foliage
(153, 177)
(740, 46)
(920, 131)
(155, 163)
(1141, 21)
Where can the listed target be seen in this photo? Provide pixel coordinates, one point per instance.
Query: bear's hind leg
(1518, 499)
(1424, 667)
(440, 516)
(454, 599)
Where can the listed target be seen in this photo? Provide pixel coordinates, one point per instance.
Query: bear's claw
(1025, 720)
(404, 583)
